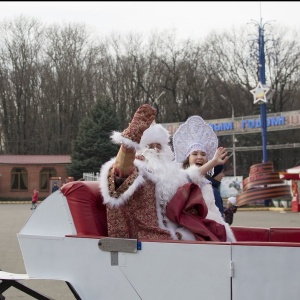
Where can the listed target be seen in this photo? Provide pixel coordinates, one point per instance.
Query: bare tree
(68, 73)
(50, 77)
(20, 48)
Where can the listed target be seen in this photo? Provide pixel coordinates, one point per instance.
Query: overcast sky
(188, 18)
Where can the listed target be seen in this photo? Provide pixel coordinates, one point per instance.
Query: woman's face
(198, 158)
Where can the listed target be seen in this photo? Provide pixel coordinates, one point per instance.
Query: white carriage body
(52, 249)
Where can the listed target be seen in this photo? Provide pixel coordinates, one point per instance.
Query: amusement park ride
(66, 239)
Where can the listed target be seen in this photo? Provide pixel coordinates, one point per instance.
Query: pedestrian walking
(35, 199)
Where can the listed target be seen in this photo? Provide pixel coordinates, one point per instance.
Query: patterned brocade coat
(131, 208)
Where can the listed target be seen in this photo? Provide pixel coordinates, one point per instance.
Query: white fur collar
(194, 174)
(209, 198)
(213, 210)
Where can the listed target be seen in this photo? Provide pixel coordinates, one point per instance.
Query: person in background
(230, 209)
(55, 187)
(268, 202)
(35, 199)
(215, 180)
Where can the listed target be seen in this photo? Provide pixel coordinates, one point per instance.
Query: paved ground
(14, 216)
(12, 219)
(266, 218)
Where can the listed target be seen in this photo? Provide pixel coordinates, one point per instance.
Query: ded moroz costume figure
(196, 135)
(130, 185)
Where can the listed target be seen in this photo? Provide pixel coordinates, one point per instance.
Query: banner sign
(249, 124)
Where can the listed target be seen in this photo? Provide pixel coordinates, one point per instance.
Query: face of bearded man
(164, 171)
(157, 160)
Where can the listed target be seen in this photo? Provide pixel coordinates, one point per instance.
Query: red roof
(292, 173)
(295, 170)
(287, 176)
(35, 159)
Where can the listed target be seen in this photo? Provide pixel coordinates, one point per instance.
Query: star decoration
(260, 93)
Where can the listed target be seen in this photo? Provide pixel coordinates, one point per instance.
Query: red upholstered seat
(251, 234)
(86, 206)
(281, 234)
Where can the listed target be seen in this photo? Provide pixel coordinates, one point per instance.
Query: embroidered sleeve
(118, 188)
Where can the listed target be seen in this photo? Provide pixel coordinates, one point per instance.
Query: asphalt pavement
(12, 219)
(14, 216)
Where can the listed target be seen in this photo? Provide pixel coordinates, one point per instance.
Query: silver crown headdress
(194, 135)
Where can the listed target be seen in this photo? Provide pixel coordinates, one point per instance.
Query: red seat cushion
(281, 234)
(251, 234)
(86, 206)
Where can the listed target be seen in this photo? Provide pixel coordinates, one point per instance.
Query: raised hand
(221, 156)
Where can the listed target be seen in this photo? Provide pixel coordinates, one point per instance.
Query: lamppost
(262, 78)
(233, 136)
(260, 92)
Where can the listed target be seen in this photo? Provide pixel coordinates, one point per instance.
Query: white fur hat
(156, 133)
(194, 135)
(232, 200)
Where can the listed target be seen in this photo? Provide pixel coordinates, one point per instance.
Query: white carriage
(66, 239)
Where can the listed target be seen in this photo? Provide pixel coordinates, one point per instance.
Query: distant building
(21, 174)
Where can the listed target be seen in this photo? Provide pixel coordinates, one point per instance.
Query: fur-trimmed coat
(207, 191)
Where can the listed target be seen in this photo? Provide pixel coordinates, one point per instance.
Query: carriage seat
(86, 206)
(89, 216)
(273, 234)
(251, 234)
(288, 235)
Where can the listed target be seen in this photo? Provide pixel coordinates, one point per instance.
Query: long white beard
(164, 171)
(168, 177)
